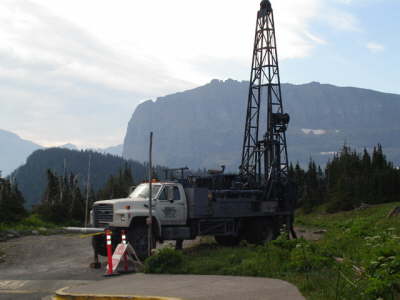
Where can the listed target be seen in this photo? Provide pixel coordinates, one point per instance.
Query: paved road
(193, 287)
(37, 266)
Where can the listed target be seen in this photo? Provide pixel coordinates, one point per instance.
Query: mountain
(32, 180)
(68, 146)
(14, 151)
(113, 150)
(204, 127)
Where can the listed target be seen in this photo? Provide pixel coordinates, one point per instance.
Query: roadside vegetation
(15, 220)
(358, 257)
(11, 202)
(62, 202)
(30, 223)
(348, 181)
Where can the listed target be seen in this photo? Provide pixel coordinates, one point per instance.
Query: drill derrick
(265, 160)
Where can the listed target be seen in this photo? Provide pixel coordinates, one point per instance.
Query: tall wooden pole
(87, 192)
(150, 220)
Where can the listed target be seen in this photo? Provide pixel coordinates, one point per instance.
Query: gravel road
(36, 266)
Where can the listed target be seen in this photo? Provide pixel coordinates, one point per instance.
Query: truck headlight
(123, 218)
(91, 217)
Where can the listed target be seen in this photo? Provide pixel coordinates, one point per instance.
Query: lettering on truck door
(171, 212)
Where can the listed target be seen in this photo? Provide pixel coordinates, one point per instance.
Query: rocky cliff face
(204, 127)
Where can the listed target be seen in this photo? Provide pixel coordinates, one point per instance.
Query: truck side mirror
(131, 189)
(170, 194)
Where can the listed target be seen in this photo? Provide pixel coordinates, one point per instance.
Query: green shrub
(31, 222)
(165, 261)
(285, 243)
(306, 257)
(34, 221)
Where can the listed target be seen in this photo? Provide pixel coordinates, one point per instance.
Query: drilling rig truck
(252, 205)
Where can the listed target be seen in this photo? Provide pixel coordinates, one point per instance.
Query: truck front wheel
(227, 240)
(138, 238)
(99, 243)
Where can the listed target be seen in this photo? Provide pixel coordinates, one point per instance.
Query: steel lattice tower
(265, 159)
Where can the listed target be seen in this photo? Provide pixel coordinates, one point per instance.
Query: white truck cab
(169, 206)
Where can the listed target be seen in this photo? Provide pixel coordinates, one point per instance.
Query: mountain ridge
(32, 176)
(204, 127)
(14, 150)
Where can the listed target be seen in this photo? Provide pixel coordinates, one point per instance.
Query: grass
(32, 222)
(376, 214)
(358, 258)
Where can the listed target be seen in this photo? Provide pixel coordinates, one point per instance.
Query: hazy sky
(74, 71)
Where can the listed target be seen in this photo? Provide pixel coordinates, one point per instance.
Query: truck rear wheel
(261, 231)
(138, 237)
(227, 240)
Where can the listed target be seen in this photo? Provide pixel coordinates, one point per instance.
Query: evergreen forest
(349, 180)
(64, 201)
(11, 202)
(33, 176)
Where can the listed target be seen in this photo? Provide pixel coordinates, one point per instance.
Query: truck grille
(103, 214)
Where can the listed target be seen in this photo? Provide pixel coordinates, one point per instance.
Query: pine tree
(349, 180)
(117, 186)
(11, 202)
(62, 201)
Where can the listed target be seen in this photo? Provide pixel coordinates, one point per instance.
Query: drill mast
(265, 161)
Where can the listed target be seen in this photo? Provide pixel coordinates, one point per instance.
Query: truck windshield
(142, 191)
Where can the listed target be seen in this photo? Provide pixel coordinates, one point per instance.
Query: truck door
(171, 205)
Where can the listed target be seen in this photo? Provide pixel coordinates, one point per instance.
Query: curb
(61, 295)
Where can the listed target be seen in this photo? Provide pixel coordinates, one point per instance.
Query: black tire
(99, 243)
(178, 244)
(227, 240)
(138, 238)
(261, 231)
